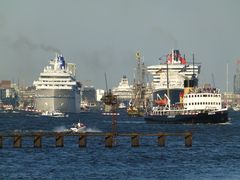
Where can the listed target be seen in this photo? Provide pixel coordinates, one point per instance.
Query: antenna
(193, 65)
(106, 82)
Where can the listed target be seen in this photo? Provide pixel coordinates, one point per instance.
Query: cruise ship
(123, 91)
(176, 69)
(57, 88)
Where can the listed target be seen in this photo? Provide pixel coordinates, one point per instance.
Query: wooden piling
(37, 141)
(109, 140)
(1, 141)
(59, 140)
(82, 140)
(161, 140)
(17, 141)
(188, 139)
(135, 140)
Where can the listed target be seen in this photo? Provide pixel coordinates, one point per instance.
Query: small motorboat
(54, 114)
(79, 127)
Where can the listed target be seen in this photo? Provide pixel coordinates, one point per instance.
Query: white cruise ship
(57, 88)
(123, 91)
(178, 70)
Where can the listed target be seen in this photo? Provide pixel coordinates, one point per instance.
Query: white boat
(122, 105)
(54, 114)
(79, 127)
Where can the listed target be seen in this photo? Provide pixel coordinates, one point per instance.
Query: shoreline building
(8, 95)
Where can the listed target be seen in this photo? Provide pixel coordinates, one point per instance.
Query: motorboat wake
(78, 127)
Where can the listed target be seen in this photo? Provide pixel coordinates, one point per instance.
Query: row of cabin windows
(204, 95)
(56, 81)
(203, 103)
(62, 85)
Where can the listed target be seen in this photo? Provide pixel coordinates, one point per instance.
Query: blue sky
(103, 36)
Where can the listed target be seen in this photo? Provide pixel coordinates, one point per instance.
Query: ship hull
(213, 117)
(66, 101)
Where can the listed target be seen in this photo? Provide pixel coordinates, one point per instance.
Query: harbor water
(215, 152)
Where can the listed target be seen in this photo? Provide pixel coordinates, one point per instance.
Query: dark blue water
(215, 153)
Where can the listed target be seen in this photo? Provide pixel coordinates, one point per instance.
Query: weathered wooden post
(82, 140)
(1, 141)
(135, 140)
(161, 140)
(59, 140)
(188, 139)
(37, 141)
(109, 140)
(17, 141)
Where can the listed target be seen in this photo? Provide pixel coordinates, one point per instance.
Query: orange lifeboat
(161, 102)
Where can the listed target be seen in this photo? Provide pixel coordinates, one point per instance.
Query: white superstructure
(57, 76)
(178, 71)
(203, 99)
(123, 91)
(57, 88)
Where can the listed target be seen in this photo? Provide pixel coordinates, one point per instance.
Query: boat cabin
(202, 100)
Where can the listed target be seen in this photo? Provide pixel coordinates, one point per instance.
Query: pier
(109, 138)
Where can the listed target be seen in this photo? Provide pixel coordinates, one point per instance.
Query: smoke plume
(24, 42)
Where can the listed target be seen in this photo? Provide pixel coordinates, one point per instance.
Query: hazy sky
(103, 36)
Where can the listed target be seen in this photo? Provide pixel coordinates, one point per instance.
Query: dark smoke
(24, 42)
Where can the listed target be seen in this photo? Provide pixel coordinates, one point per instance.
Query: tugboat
(197, 105)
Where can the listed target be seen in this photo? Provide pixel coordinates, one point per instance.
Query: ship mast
(168, 92)
(106, 82)
(193, 65)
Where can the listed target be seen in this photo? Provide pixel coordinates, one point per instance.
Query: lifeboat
(161, 102)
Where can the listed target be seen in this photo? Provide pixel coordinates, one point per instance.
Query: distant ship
(57, 88)
(123, 91)
(110, 101)
(137, 103)
(178, 70)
